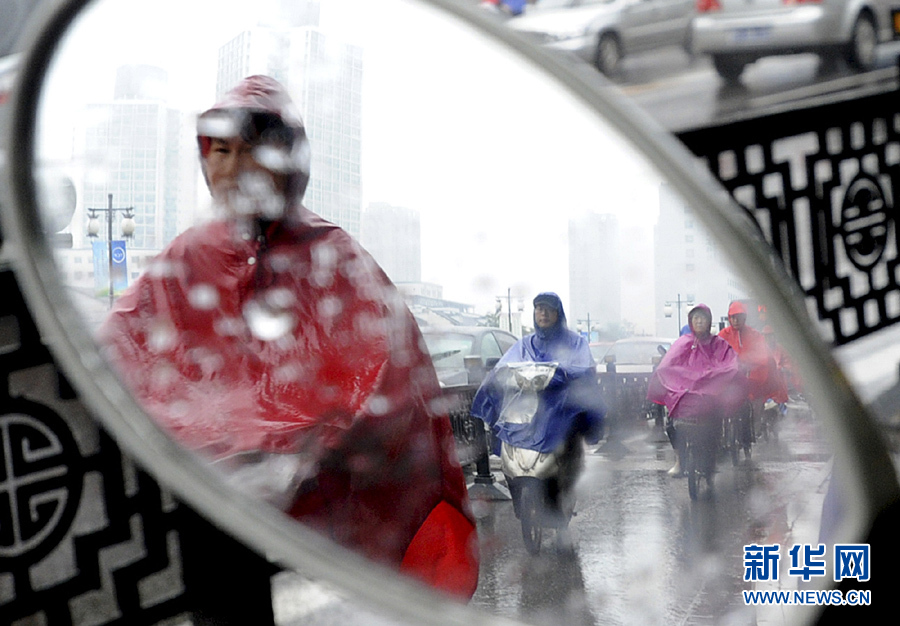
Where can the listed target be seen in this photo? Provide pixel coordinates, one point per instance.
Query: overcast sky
(493, 156)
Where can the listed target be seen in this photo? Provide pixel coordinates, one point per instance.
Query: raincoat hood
(700, 308)
(736, 308)
(260, 110)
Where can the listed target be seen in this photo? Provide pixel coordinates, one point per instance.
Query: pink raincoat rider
(275, 346)
(698, 377)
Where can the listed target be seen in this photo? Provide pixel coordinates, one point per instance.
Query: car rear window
(447, 350)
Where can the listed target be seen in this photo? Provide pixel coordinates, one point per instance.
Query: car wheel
(860, 51)
(729, 67)
(687, 43)
(609, 54)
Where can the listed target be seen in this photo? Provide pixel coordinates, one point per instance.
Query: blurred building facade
(688, 265)
(393, 236)
(143, 153)
(595, 281)
(324, 78)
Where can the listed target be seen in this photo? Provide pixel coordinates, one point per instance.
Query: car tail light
(706, 6)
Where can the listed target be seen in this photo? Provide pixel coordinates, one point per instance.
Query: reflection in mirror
(268, 341)
(693, 65)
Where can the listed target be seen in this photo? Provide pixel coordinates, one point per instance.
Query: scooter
(772, 413)
(540, 483)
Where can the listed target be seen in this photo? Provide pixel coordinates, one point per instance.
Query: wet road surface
(644, 552)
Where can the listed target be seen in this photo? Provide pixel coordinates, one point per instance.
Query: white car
(603, 31)
(738, 32)
(638, 355)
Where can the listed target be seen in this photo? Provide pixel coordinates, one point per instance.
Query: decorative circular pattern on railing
(40, 480)
(864, 221)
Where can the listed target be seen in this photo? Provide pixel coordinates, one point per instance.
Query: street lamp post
(521, 307)
(127, 231)
(667, 309)
(590, 329)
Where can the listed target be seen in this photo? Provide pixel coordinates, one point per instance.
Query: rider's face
(700, 324)
(738, 320)
(545, 316)
(239, 183)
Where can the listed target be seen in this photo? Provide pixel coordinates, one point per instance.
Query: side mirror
(43, 96)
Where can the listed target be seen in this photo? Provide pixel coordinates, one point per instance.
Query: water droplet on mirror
(161, 269)
(329, 307)
(379, 405)
(203, 297)
(161, 337)
(268, 323)
(324, 256)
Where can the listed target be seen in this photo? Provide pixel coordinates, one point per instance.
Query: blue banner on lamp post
(119, 266)
(102, 251)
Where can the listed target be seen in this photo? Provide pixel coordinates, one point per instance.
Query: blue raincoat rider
(570, 405)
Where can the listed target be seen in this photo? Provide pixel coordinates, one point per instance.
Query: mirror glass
(475, 183)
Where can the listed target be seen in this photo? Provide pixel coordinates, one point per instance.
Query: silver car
(603, 31)
(738, 32)
(637, 355)
(453, 348)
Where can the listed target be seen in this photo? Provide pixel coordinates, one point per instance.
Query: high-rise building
(689, 267)
(143, 153)
(393, 236)
(324, 78)
(595, 291)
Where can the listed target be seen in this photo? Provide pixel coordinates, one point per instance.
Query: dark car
(455, 350)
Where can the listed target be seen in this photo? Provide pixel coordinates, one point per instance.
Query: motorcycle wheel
(689, 463)
(734, 445)
(530, 516)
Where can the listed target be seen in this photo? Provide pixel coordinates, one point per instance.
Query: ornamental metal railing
(821, 183)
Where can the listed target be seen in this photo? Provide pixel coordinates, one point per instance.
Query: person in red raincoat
(272, 344)
(778, 391)
(756, 360)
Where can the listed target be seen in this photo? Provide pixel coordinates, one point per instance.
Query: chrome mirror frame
(861, 460)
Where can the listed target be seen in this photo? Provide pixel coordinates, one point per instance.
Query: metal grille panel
(821, 184)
